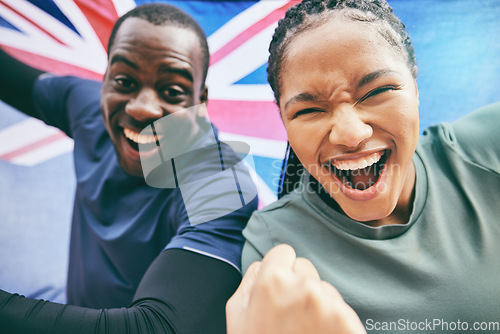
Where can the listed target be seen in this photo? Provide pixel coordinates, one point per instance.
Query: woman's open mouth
(360, 173)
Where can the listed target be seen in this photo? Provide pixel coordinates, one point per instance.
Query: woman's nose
(348, 128)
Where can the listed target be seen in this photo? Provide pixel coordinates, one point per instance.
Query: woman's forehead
(337, 44)
(338, 55)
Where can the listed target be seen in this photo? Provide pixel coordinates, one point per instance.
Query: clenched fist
(284, 294)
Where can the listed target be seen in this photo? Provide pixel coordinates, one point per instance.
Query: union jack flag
(70, 37)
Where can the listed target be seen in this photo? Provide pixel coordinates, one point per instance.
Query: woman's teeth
(360, 173)
(356, 164)
(138, 138)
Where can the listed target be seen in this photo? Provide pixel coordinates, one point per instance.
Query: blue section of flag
(259, 76)
(457, 46)
(269, 170)
(51, 8)
(7, 24)
(211, 15)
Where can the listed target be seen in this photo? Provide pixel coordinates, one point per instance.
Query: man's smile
(139, 138)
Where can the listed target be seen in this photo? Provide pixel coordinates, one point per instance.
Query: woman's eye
(305, 112)
(379, 90)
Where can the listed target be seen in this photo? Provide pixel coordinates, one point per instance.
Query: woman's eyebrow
(374, 75)
(309, 97)
(302, 97)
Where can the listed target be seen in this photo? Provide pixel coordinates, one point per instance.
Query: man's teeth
(138, 138)
(357, 163)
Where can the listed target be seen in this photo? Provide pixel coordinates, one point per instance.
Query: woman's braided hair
(310, 14)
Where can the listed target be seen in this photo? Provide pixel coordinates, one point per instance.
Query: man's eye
(379, 90)
(125, 82)
(173, 92)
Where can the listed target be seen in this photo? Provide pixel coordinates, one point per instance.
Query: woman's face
(349, 104)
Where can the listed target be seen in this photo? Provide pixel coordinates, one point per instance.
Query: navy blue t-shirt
(120, 224)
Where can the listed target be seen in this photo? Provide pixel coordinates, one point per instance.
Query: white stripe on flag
(61, 146)
(123, 6)
(23, 134)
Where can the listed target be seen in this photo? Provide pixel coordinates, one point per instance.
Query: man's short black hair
(161, 14)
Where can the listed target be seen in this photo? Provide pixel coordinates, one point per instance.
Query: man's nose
(348, 127)
(145, 107)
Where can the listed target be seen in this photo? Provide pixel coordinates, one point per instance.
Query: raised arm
(182, 292)
(16, 84)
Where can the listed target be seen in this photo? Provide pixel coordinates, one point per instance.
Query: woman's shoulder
(291, 201)
(473, 138)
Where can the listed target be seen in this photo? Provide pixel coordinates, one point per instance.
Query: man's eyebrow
(176, 70)
(374, 75)
(125, 60)
(302, 97)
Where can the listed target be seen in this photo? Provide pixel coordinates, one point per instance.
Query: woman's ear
(414, 71)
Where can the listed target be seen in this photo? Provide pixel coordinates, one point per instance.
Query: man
(157, 65)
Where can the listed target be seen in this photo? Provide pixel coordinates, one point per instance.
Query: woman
(403, 226)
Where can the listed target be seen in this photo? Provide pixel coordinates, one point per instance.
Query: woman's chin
(371, 216)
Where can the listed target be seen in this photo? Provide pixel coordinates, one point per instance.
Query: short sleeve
(477, 136)
(220, 238)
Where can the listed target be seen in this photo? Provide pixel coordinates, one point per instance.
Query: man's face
(153, 71)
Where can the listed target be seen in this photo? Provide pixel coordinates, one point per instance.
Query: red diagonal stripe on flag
(25, 149)
(101, 15)
(231, 115)
(50, 65)
(254, 29)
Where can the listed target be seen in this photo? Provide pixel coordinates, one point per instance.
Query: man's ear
(204, 95)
